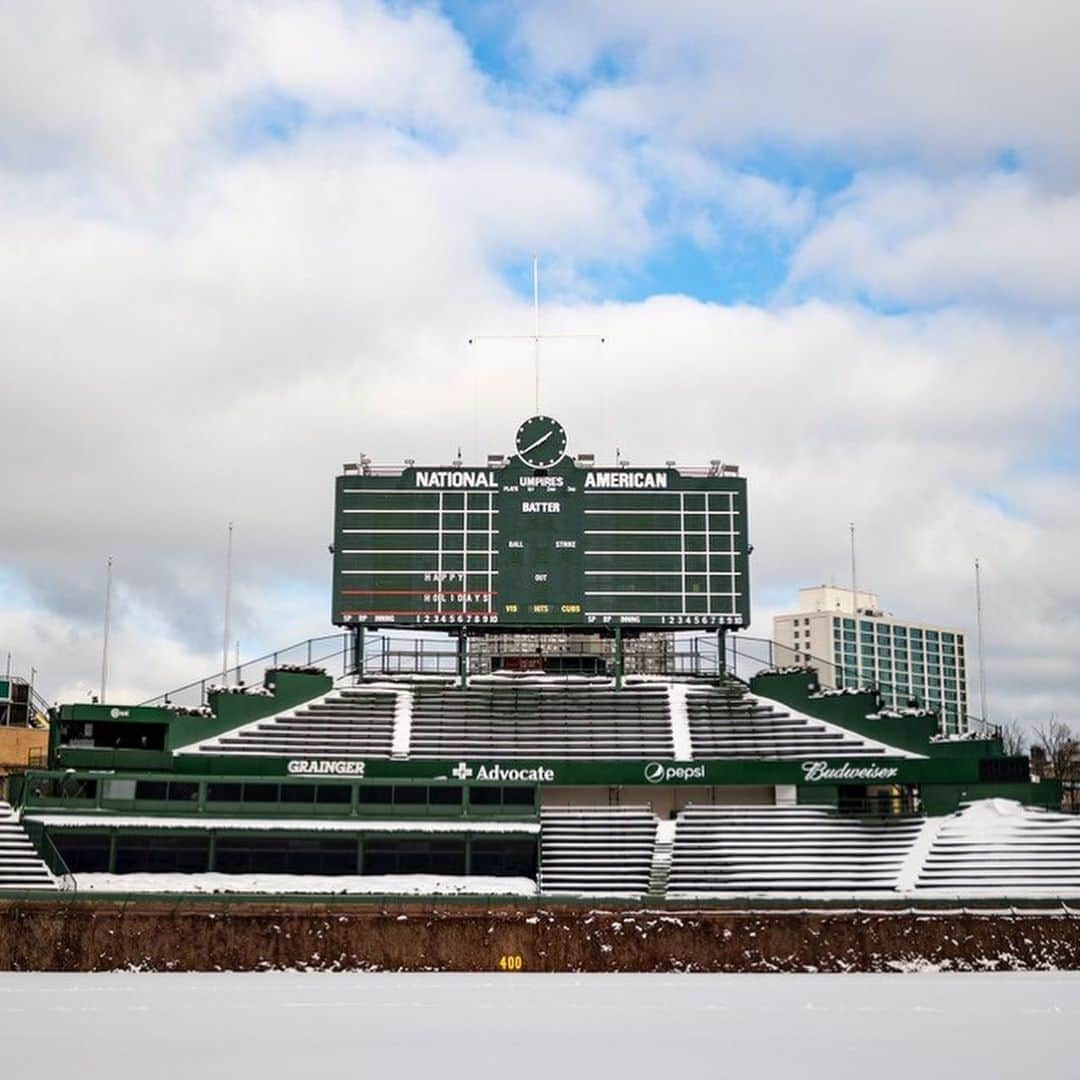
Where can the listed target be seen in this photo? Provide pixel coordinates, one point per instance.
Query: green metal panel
(514, 547)
(598, 773)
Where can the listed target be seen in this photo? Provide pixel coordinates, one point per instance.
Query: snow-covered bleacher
(727, 722)
(1000, 846)
(604, 851)
(538, 718)
(21, 867)
(344, 723)
(799, 849)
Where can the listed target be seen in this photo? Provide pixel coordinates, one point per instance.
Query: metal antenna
(979, 626)
(535, 337)
(228, 605)
(536, 328)
(105, 636)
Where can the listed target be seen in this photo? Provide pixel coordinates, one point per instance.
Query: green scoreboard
(538, 540)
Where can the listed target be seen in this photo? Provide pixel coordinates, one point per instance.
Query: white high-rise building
(852, 642)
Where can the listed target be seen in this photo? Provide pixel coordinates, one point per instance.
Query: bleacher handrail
(303, 653)
(734, 653)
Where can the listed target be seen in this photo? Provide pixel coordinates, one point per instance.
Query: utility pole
(105, 635)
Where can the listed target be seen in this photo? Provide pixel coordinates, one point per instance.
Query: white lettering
(625, 479)
(816, 771)
(656, 772)
(454, 478)
(501, 774)
(540, 507)
(309, 767)
(548, 483)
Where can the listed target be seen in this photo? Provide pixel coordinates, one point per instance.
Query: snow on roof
(879, 748)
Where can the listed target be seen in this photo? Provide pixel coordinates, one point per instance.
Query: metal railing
(51, 857)
(332, 652)
(390, 655)
(748, 656)
(902, 804)
(387, 655)
(33, 710)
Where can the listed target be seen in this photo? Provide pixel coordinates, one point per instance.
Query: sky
(837, 244)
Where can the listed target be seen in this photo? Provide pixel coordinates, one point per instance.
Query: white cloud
(997, 240)
(194, 334)
(954, 83)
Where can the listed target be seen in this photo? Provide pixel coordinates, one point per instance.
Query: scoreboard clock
(541, 442)
(541, 541)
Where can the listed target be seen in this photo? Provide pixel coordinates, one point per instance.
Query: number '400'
(510, 963)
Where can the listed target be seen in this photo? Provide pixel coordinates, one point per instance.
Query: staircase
(596, 851)
(660, 870)
(21, 868)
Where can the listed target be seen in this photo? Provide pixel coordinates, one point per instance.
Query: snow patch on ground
(285, 884)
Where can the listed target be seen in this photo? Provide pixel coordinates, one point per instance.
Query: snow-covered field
(552, 1026)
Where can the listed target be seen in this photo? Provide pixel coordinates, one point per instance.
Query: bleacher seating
(21, 867)
(536, 719)
(344, 723)
(801, 849)
(605, 851)
(727, 722)
(999, 845)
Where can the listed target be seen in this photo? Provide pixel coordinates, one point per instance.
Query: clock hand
(543, 439)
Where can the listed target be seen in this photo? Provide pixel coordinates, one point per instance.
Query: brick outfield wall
(218, 936)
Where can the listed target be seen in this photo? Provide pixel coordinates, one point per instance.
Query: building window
(84, 853)
(244, 854)
(388, 855)
(187, 853)
(503, 858)
(224, 792)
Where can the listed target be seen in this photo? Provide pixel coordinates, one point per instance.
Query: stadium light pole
(105, 634)
(228, 605)
(855, 608)
(979, 632)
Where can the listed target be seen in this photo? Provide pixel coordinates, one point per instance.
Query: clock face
(541, 442)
